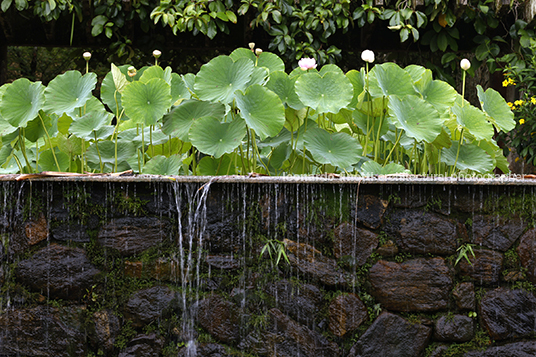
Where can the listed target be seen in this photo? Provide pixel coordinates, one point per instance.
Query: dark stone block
(392, 336)
(148, 305)
(508, 313)
(420, 232)
(149, 345)
(355, 242)
(415, 285)
(458, 328)
(346, 314)
(58, 271)
(516, 349)
(219, 317)
(527, 253)
(464, 295)
(485, 266)
(497, 232)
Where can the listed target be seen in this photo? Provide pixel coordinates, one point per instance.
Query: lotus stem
(23, 150)
(151, 139)
(50, 142)
(394, 146)
(457, 152)
(18, 163)
(98, 152)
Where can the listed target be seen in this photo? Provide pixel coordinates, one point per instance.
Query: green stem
(151, 140)
(242, 159)
(98, 152)
(396, 143)
(49, 141)
(18, 163)
(457, 153)
(23, 150)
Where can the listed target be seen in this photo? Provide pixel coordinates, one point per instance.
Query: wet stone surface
(355, 242)
(527, 253)
(422, 233)
(312, 263)
(58, 271)
(219, 317)
(392, 336)
(148, 305)
(516, 349)
(464, 295)
(143, 345)
(346, 313)
(497, 232)
(485, 266)
(508, 313)
(457, 328)
(415, 285)
(132, 235)
(21, 332)
(370, 211)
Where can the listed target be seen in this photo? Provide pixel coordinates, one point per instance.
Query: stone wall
(275, 269)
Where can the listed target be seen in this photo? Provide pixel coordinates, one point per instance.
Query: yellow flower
(505, 83)
(511, 81)
(517, 159)
(521, 121)
(510, 104)
(518, 102)
(533, 100)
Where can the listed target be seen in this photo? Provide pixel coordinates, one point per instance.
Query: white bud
(367, 56)
(131, 71)
(157, 53)
(465, 64)
(251, 45)
(87, 56)
(258, 51)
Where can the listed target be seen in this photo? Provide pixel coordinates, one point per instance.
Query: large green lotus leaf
(156, 72)
(494, 105)
(189, 80)
(403, 140)
(161, 165)
(338, 149)
(109, 95)
(179, 90)
(327, 94)
(283, 86)
(69, 144)
(282, 137)
(371, 106)
(266, 59)
(440, 94)
(443, 140)
(47, 162)
(371, 168)
(93, 104)
(262, 110)
(104, 132)
(389, 79)
(219, 79)
(473, 120)
(125, 150)
(177, 122)
(85, 126)
(330, 68)
(146, 103)
(356, 78)
(209, 166)
(158, 137)
(34, 130)
(213, 138)
(496, 154)
(416, 72)
(258, 76)
(279, 155)
(69, 91)
(471, 157)
(372, 124)
(21, 102)
(6, 128)
(344, 116)
(419, 119)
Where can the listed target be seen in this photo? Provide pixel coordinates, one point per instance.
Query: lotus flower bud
(258, 51)
(156, 53)
(465, 64)
(307, 63)
(367, 56)
(87, 56)
(131, 71)
(251, 45)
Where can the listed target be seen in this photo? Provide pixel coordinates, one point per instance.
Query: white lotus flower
(87, 56)
(307, 63)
